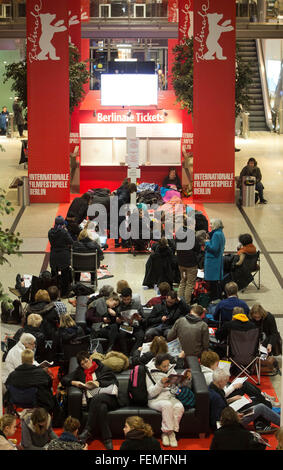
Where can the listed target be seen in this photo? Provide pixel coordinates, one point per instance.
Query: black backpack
(137, 390)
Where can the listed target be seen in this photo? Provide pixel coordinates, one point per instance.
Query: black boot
(85, 436)
(108, 444)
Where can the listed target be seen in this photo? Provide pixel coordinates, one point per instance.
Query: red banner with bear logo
(214, 100)
(48, 100)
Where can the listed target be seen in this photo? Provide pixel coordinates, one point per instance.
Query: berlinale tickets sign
(214, 100)
(48, 24)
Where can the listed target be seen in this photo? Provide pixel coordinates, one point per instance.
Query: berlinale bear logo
(215, 31)
(209, 47)
(47, 32)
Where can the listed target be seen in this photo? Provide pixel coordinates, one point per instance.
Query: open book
(88, 385)
(45, 364)
(129, 315)
(177, 379)
(238, 404)
(174, 347)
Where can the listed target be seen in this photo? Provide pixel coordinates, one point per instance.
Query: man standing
(18, 116)
(192, 332)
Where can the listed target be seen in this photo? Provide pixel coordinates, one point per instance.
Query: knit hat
(60, 220)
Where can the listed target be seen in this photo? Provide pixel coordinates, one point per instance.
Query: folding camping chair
(243, 352)
(252, 263)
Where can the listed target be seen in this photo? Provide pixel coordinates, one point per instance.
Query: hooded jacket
(193, 334)
(49, 314)
(31, 440)
(240, 322)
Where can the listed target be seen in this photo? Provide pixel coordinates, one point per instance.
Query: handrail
(264, 85)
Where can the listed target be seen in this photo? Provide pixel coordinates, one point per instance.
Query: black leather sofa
(193, 423)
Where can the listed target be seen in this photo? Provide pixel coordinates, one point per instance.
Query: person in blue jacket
(213, 258)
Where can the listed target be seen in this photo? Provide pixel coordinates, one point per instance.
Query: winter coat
(124, 196)
(239, 323)
(213, 258)
(60, 243)
(114, 360)
(5, 444)
(224, 309)
(29, 375)
(217, 403)
(18, 117)
(3, 120)
(187, 257)
(136, 440)
(86, 245)
(67, 441)
(49, 315)
(248, 171)
(160, 267)
(193, 334)
(268, 329)
(176, 181)
(157, 392)
(180, 308)
(104, 375)
(78, 209)
(31, 440)
(234, 437)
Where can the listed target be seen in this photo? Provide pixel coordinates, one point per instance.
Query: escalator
(260, 115)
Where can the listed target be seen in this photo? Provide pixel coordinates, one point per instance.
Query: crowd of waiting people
(118, 317)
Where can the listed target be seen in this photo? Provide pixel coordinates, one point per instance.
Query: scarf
(88, 372)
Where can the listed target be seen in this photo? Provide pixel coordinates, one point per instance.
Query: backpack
(137, 389)
(201, 293)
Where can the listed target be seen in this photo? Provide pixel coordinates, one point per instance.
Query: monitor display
(129, 89)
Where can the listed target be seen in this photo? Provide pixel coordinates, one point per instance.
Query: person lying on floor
(218, 402)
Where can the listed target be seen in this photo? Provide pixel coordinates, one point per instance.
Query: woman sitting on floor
(139, 435)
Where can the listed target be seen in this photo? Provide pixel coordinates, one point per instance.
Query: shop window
(139, 10)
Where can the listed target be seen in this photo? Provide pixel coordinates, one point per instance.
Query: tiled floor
(265, 222)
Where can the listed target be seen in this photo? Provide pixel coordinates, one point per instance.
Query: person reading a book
(14, 356)
(131, 321)
(28, 375)
(99, 385)
(161, 399)
(251, 413)
(210, 361)
(232, 435)
(158, 345)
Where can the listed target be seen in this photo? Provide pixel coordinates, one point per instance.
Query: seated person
(14, 356)
(139, 435)
(245, 247)
(270, 336)
(122, 284)
(84, 244)
(191, 331)
(28, 375)
(36, 429)
(54, 295)
(43, 306)
(239, 322)
(141, 233)
(209, 362)
(232, 435)
(68, 330)
(68, 440)
(161, 265)
(102, 316)
(218, 402)
(172, 180)
(33, 325)
(251, 169)
(100, 400)
(130, 314)
(158, 345)
(161, 399)
(224, 309)
(8, 427)
(164, 289)
(164, 315)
